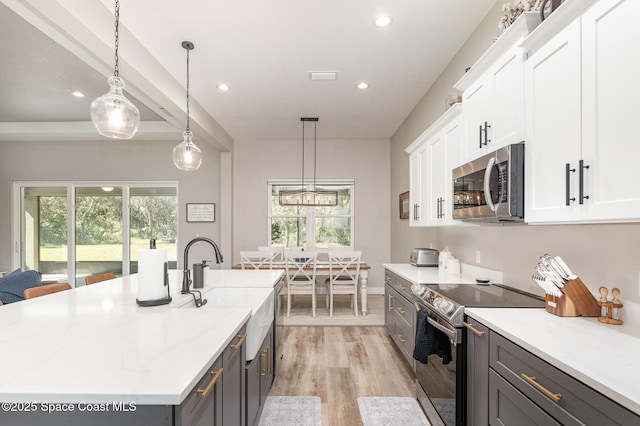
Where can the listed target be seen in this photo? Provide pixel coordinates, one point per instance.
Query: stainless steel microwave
(491, 188)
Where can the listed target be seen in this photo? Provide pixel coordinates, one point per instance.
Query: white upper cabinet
(493, 93)
(553, 135)
(610, 147)
(581, 147)
(418, 173)
(432, 156)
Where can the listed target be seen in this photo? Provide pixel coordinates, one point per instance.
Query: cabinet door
(507, 100)
(266, 372)
(475, 112)
(610, 42)
(389, 304)
(203, 406)
(553, 123)
(477, 338)
(437, 167)
(233, 382)
(418, 187)
(414, 188)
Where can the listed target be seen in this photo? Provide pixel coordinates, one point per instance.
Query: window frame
(16, 231)
(311, 215)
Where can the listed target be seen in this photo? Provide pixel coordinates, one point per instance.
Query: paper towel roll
(151, 274)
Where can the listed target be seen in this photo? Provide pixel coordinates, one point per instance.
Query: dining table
(322, 270)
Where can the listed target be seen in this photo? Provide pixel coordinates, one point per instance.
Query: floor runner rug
(291, 411)
(388, 411)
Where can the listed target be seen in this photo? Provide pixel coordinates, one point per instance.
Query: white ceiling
(264, 50)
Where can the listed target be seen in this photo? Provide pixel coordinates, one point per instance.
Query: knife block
(576, 301)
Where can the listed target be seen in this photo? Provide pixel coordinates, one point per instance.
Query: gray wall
(366, 161)
(111, 160)
(600, 254)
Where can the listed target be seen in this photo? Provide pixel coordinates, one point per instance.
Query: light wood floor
(340, 364)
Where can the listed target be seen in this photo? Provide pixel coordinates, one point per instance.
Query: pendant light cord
(117, 13)
(188, 128)
(315, 152)
(302, 180)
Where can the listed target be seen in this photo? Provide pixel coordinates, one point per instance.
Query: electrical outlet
(477, 256)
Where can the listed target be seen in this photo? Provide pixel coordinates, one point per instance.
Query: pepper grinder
(610, 313)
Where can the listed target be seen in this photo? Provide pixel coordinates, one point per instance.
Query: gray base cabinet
(233, 382)
(477, 344)
(518, 388)
(259, 378)
(400, 314)
(203, 405)
(219, 397)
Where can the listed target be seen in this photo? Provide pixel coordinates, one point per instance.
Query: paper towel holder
(164, 300)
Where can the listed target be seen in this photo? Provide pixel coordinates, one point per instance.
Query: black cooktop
(487, 296)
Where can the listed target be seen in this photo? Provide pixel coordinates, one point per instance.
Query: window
(78, 229)
(321, 227)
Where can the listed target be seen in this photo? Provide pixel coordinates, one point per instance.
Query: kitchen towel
(430, 341)
(151, 275)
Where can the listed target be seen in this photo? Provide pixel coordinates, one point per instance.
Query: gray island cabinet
(509, 385)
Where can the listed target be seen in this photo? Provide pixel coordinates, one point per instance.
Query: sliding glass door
(77, 229)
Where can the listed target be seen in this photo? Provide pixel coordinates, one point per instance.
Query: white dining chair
(256, 259)
(344, 273)
(300, 269)
(276, 251)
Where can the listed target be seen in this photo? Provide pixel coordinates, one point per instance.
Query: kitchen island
(95, 348)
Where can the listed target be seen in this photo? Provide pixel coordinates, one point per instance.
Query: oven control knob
(444, 305)
(418, 290)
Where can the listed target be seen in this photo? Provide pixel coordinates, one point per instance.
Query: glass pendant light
(113, 114)
(187, 156)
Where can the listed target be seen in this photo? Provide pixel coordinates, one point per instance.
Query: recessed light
(362, 85)
(223, 87)
(382, 21)
(77, 94)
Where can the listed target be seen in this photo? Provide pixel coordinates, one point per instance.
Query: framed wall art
(201, 212)
(404, 205)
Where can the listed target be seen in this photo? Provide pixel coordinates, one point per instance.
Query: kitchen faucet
(186, 276)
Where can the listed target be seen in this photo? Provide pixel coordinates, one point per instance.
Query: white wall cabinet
(431, 157)
(580, 129)
(493, 93)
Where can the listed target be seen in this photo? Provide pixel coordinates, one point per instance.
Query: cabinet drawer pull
(473, 329)
(265, 356)
(402, 311)
(581, 196)
(390, 302)
(401, 287)
(556, 397)
(242, 338)
(567, 190)
(399, 336)
(216, 375)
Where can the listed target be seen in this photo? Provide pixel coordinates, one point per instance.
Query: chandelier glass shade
(113, 115)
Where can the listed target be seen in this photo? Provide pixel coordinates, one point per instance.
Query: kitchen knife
(548, 287)
(565, 268)
(550, 276)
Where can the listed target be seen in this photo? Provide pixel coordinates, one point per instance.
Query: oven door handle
(450, 334)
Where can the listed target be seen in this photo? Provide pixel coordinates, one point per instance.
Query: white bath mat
(388, 411)
(291, 411)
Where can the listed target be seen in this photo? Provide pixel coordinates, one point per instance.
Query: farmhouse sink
(259, 300)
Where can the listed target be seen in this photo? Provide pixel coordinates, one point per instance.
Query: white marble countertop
(95, 344)
(604, 357)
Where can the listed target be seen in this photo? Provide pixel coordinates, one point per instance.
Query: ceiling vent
(323, 75)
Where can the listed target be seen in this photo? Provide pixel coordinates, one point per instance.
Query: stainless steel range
(440, 342)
